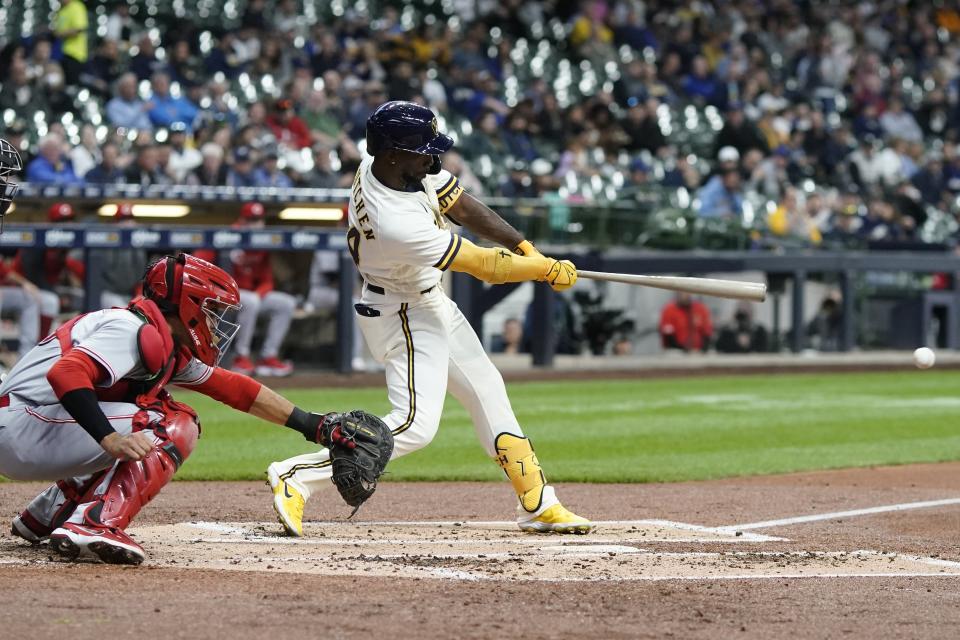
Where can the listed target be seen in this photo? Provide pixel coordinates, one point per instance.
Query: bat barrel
(734, 289)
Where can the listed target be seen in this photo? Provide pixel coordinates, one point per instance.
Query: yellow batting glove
(562, 275)
(526, 248)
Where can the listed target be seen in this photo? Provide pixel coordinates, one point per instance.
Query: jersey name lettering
(360, 207)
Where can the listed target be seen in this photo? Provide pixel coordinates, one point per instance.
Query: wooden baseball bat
(754, 291)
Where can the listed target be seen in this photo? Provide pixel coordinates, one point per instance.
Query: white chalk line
(758, 576)
(818, 517)
(497, 525)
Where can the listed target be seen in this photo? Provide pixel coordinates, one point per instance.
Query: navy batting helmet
(406, 126)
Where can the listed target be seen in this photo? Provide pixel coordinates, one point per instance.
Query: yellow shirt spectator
(72, 29)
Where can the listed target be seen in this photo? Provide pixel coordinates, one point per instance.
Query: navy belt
(372, 288)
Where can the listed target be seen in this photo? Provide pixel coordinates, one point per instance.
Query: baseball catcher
(89, 408)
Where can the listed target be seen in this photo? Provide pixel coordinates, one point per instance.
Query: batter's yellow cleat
(288, 503)
(557, 519)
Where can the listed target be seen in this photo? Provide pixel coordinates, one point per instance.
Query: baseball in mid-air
(924, 357)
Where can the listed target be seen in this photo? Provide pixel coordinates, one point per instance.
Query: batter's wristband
(306, 423)
(83, 407)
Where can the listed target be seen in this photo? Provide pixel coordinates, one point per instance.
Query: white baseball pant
(426, 346)
(45, 443)
(278, 306)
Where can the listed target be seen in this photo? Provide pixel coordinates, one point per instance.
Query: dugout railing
(782, 272)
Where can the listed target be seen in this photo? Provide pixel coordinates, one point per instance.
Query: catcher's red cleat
(90, 542)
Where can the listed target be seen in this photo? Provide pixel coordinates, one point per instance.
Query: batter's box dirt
(617, 551)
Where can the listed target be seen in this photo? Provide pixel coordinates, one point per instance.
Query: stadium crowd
(813, 120)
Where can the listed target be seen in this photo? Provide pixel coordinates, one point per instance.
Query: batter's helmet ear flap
(435, 167)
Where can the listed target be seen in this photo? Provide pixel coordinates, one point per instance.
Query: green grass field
(643, 430)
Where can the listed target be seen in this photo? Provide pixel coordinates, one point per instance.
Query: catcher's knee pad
(516, 457)
(134, 484)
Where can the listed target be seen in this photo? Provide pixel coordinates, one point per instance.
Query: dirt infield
(855, 553)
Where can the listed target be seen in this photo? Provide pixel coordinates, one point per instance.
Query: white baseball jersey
(109, 337)
(400, 240)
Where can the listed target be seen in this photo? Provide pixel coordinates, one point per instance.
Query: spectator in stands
(52, 166)
(254, 275)
(738, 132)
(223, 58)
(722, 197)
(168, 109)
(212, 171)
(20, 94)
(899, 123)
(699, 84)
(183, 67)
(873, 164)
(519, 183)
(242, 173)
(741, 334)
(108, 171)
(867, 123)
(86, 155)
(103, 69)
(269, 173)
(217, 112)
(643, 130)
(145, 63)
(791, 219)
(321, 120)
(71, 29)
(126, 109)
(322, 175)
(519, 144)
(146, 169)
(637, 180)
(289, 130)
(120, 270)
(183, 158)
(685, 324)
(120, 24)
(486, 139)
(930, 180)
(454, 163)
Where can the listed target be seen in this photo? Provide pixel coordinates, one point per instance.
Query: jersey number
(353, 245)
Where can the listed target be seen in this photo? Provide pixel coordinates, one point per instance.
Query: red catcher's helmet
(201, 295)
(60, 212)
(252, 211)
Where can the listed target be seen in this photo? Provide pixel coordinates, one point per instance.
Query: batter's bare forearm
(484, 221)
(271, 406)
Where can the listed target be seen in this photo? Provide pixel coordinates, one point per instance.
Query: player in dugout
(400, 238)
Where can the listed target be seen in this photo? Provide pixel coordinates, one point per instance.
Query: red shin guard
(134, 484)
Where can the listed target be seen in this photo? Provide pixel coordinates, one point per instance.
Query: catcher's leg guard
(50, 509)
(516, 457)
(96, 527)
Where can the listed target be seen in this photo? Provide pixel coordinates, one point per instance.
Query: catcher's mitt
(360, 446)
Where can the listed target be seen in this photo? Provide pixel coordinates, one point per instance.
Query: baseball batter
(401, 241)
(88, 407)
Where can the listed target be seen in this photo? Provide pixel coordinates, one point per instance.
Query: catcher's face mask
(10, 164)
